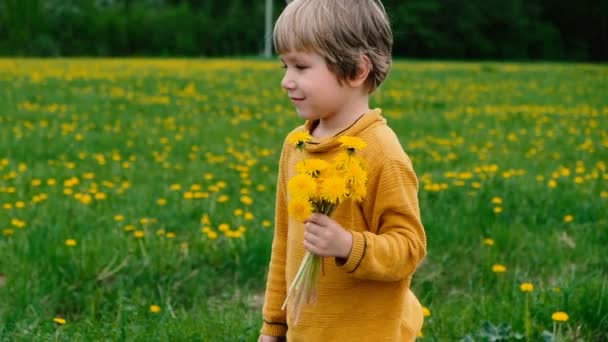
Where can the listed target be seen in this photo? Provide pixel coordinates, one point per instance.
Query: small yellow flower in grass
(604, 194)
(552, 183)
(261, 188)
(19, 204)
(498, 268)
(557, 289)
(59, 320)
(352, 144)
(426, 312)
(175, 187)
(300, 209)
(161, 201)
(496, 200)
(488, 242)
(160, 232)
(223, 199)
(129, 228)
(118, 218)
(70, 242)
(246, 200)
(155, 309)
(420, 334)
(526, 287)
(568, 218)
(249, 216)
(497, 210)
(170, 235)
(8, 232)
(223, 227)
(266, 223)
(560, 316)
(138, 234)
(298, 139)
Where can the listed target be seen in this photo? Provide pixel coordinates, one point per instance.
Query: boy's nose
(288, 83)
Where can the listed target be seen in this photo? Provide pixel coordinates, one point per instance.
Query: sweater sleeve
(396, 242)
(275, 320)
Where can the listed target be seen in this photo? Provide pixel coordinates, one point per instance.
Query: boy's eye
(301, 67)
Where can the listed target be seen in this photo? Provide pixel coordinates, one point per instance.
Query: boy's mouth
(296, 99)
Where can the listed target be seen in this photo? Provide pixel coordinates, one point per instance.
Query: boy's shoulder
(383, 143)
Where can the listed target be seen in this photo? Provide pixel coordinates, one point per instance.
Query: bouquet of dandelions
(319, 187)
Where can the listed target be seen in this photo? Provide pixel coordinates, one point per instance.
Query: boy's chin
(306, 115)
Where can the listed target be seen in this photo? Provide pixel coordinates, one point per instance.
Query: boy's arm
(275, 320)
(396, 242)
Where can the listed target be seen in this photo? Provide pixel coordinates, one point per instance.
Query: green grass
(101, 150)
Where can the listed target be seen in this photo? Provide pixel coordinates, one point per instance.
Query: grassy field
(136, 196)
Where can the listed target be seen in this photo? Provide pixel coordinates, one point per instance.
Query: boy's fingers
(312, 228)
(319, 219)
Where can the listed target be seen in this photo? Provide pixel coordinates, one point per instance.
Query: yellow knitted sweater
(367, 297)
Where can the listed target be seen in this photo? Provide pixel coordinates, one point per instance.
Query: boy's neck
(339, 121)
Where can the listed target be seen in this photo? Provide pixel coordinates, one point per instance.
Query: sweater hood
(368, 120)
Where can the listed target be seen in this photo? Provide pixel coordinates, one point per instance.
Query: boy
(335, 53)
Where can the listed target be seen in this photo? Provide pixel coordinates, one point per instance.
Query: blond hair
(341, 31)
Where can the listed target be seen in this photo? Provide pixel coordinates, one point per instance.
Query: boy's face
(312, 87)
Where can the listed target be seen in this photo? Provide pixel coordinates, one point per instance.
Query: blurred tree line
(455, 29)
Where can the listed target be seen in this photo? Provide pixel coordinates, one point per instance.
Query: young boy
(335, 53)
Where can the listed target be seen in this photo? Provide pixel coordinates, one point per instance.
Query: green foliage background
(475, 29)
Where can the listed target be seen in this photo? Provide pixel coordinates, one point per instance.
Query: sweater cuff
(356, 253)
(274, 329)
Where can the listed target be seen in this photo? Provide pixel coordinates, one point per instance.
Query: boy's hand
(266, 338)
(325, 237)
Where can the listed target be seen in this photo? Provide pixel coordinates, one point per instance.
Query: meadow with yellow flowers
(137, 196)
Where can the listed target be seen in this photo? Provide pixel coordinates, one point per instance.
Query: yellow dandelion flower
(498, 268)
(426, 312)
(223, 227)
(352, 144)
(302, 185)
(170, 235)
(333, 189)
(155, 309)
(496, 200)
(488, 242)
(8, 232)
(138, 234)
(70, 242)
(300, 209)
(246, 200)
(161, 201)
(312, 167)
(560, 316)
(568, 218)
(223, 199)
(176, 187)
(266, 223)
(298, 139)
(249, 216)
(358, 192)
(129, 228)
(59, 320)
(497, 210)
(526, 287)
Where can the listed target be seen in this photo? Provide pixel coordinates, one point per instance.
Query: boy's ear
(363, 70)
